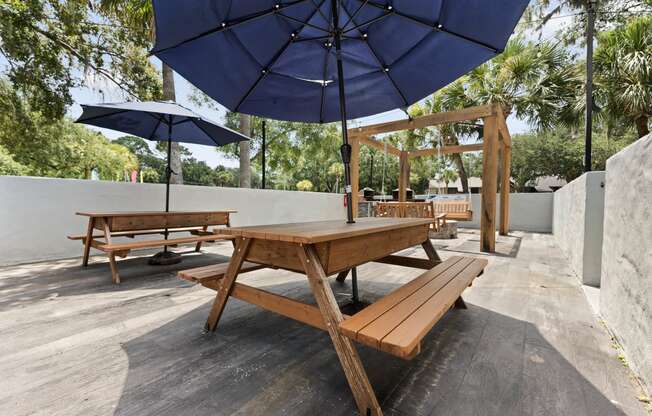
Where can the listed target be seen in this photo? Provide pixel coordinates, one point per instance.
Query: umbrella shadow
(474, 361)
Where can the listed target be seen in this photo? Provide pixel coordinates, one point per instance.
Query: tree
(245, 161)
(140, 14)
(304, 185)
(53, 46)
(8, 166)
(448, 175)
(623, 69)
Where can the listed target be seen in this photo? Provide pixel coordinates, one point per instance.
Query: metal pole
(588, 125)
(345, 149)
(264, 138)
(168, 175)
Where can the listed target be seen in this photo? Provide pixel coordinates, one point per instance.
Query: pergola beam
(378, 145)
(466, 114)
(447, 150)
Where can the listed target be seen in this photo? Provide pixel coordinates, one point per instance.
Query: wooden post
(404, 176)
(504, 188)
(355, 173)
(489, 185)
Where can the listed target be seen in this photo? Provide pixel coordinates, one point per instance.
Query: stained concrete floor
(75, 344)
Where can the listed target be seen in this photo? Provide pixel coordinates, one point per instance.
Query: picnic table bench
(142, 223)
(411, 210)
(396, 324)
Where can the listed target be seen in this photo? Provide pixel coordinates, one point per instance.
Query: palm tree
(448, 175)
(140, 13)
(539, 83)
(623, 62)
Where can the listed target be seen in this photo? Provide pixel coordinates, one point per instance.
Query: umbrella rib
(437, 28)
(368, 22)
(323, 87)
(383, 68)
(224, 26)
(355, 13)
(304, 23)
(326, 19)
(158, 123)
(267, 69)
(207, 134)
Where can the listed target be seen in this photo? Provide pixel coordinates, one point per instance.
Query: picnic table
(395, 324)
(142, 223)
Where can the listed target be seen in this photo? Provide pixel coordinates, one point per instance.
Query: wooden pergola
(496, 141)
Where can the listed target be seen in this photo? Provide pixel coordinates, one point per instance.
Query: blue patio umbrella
(328, 60)
(159, 121)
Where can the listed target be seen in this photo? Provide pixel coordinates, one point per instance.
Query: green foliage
(558, 153)
(304, 185)
(8, 166)
(53, 46)
(623, 65)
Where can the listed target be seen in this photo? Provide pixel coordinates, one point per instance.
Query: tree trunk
(641, 126)
(245, 161)
(175, 156)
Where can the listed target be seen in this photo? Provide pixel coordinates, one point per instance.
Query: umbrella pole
(345, 149)
(168, 175)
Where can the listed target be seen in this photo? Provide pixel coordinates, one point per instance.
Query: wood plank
(489, 186)
(350, 327)
(354, 371)
(109, 214)
(447, 150)
(320, 231)
(466, 114)
(406, 337)
(408, 262)
(279, 254)
(144, 222)
(139, 232)
(378, 145)
(345, 254)
(226, 284)
(87, 241)
(214, 271)
(160, 243)
(373, 333)
(404, 176)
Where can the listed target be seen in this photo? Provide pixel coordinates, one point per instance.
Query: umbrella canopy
(152, 120)
(277, 59)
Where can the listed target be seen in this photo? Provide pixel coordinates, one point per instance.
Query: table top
(149, 213)
(320, 231)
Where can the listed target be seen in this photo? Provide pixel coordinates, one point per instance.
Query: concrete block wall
(626, 292)
(527, 212)
(36, 214)
(578, 215)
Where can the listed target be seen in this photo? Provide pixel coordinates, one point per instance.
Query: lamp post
(588, 125)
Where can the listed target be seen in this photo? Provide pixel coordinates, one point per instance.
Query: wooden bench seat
(214, 271)
(398, 322)
(160, 243)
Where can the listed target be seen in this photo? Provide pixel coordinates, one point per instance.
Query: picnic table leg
(87, 240)
(114, 268)
(353, 369)
(198, 246)
(430, 251)
(341, 276)
(226, 283)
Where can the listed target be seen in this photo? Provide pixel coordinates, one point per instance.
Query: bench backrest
(404, 209)
(451, 206)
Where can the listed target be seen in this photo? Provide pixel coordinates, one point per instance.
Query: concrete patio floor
(75, 344)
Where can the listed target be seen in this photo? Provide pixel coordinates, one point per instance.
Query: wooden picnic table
(395, 324)
(140, 223)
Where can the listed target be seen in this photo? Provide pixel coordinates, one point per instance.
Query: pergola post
(489, 185)
(404, 176)
(355, 173)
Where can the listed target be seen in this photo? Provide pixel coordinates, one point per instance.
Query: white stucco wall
(578, 216)
(626, 293)
(527, 212)
(36, 214)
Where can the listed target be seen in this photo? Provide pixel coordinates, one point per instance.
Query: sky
(97, 92)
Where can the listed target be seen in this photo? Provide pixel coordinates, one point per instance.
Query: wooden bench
(411, 210)
(133, 224)
(399, 321)
(214, 272)
(454, 210)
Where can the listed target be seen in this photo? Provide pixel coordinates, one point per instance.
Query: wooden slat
(378, 145)
(214, 271)
(139, 232)
(373, 333)
(446, 150)
(405, 338)
(408, 262)
(139, 213)
(160, 243)
(319, 231)
(466, 114)
(350, 327)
